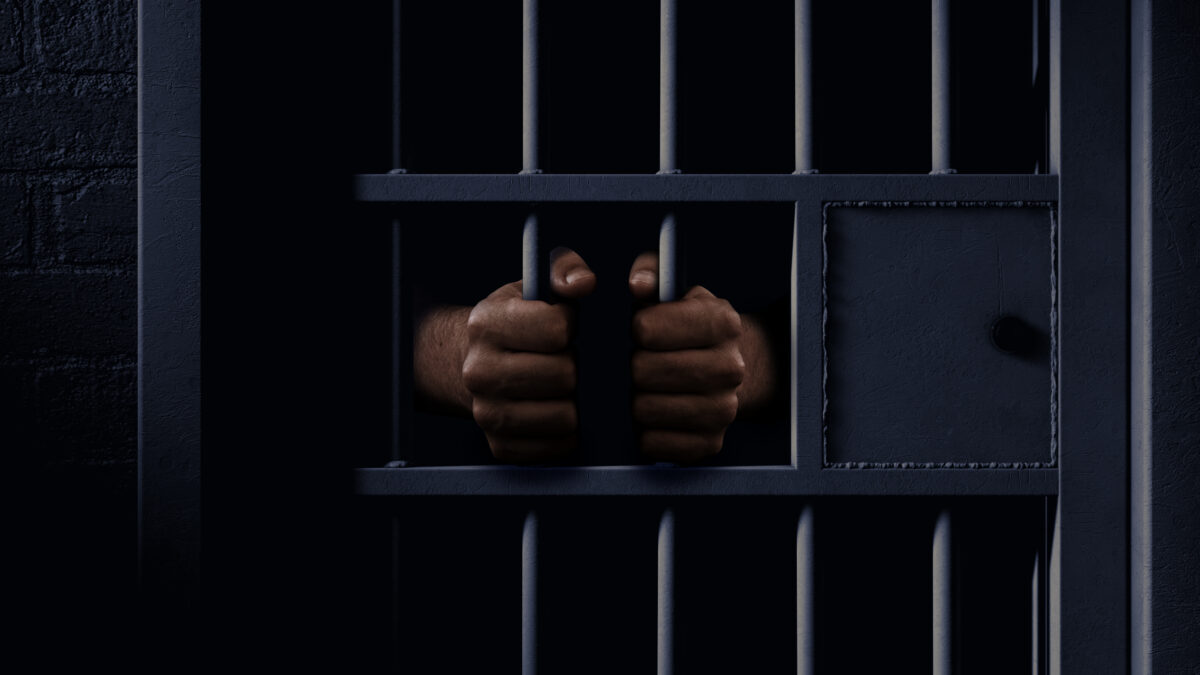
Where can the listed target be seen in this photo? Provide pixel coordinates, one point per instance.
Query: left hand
(687, 368)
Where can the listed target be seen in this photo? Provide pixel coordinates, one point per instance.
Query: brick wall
(68, 303)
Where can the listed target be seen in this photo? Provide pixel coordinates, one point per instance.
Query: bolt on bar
(666, 593)
(941, 87)
(804, 124)
(806, 589)
(943, 596)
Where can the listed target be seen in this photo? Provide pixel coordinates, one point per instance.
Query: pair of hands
(518, 374)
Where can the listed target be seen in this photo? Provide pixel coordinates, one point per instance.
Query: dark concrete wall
(68, 310)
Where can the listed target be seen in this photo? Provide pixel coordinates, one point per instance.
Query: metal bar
(389, 188)
(1035, 623)
(668, 151)
(530, 161)
(397, 158)
(683, 481)
(1093, 159)
(532, 272)
(666, 593)
(169, 430)
(529, 594)
(941, 87)
(794, 342)
(943, 596)
(806, 590)
(803, 74)
(668, 260)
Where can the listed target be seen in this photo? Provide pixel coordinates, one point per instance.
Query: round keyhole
(1012, 335)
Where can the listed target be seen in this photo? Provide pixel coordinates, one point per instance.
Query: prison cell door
(948, 494)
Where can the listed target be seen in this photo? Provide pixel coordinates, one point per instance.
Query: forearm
(758, 388)
(439, 349)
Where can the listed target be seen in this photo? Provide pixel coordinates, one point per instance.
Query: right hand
(519, 369)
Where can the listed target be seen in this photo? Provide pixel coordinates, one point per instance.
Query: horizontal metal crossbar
(672, 481)
(703, 187)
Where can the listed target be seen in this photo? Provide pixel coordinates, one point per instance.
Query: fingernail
(576, 275)
(644, 277)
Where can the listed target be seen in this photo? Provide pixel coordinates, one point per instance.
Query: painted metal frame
(169, 321)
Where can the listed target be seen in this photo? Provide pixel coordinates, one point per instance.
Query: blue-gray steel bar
(1165, 389)
(943, 595)
(1035, 621)
(940, 62)
(531, 268)
(168, 330)
(666, 593)
(803, 75)
(668, 263)
(530, 110)
(1090, 152)
(668, 157)
(529, 594)
(806, 591)
(676, 481)
(794, 340)
(702, 188)
(397, 158)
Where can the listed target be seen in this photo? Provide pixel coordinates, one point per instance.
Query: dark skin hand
(507, 362)
(697, 365)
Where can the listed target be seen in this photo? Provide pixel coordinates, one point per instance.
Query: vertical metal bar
(941, 87)
(668, 163)
(806, 589)
(531, 269)
(529, 594)
(397, 160)
(666, 593)
(1035, 642)
(401, 350)
(530, 161)
(803, 74)
(668, 157)
(668, 263)
(943, 596)
(1054, 597)
(794, 338)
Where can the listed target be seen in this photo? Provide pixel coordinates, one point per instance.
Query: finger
(688, 370)
(570, 276)
(527, 450)
(685, 412)
(519, 375)
(524, 325)
(680, 446)
(698, 320)
(525, 418)
(643, 277)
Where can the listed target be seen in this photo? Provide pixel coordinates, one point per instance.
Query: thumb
(570, 276)
(643, 277)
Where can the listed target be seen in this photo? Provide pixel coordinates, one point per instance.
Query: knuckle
(477, 322)
(731, 369)
(476, 375)
(488, 416)
(729, 322)
(727, 409)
